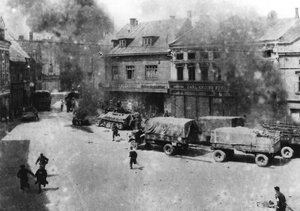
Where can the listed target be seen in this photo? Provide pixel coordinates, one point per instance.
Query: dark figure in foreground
(115, 131)
(133, 157)
(42, 160)
(280, 200)
(22, 175)
(41, 178)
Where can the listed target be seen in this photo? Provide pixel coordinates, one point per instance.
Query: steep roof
(196, 37)
(284, 31)
(164, 30)
(16, 53)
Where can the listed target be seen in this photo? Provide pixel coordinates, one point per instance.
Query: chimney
(296, 13)
(30, 36)
(172, 16)
(189, 14)
(133, 22)
(21, 37)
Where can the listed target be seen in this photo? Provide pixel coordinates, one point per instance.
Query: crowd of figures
(40, 175)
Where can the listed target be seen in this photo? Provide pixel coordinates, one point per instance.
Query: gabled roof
(165, 30)
(16, 53)
(283, 31)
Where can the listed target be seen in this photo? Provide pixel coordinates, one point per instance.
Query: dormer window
(122, 43)
(147, 41)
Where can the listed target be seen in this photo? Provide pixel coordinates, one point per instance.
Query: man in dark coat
(42, 160)
(41, 177)
(115, 131)
(133, 157)
(280, 200)
(22, 175)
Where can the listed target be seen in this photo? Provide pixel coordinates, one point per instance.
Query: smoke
(81, 20)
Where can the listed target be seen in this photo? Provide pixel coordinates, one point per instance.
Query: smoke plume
(81, 20)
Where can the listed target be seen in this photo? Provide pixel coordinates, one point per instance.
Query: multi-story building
(138, 66)
(281, 44)
(4, 73)
(51, 55)
(197, 85)
(19, 77)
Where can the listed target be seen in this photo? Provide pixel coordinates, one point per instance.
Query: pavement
(87, 171)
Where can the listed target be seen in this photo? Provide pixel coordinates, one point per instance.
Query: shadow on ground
(12, 155)
(83, 128)
(247, 158)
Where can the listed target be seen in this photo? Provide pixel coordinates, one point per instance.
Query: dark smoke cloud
(82, 20)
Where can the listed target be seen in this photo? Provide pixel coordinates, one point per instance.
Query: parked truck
(263, 144)
(289, 136)
(172, 134)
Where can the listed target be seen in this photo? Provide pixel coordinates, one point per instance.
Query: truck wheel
(219, 155)
(261, 160)
(120, 126)
(287, 152)
(169, 149)
(134, 145)
(108, 124)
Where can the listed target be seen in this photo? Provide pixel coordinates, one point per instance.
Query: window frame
(153, 69)
(131, 69)
(114, 70)
(179, 72)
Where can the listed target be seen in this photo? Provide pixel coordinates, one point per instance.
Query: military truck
(289, 136)
(263, 144)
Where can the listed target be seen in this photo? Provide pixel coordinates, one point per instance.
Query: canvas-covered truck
(171, 133)
(207, 124)
(263, 144)
(289, 136)
(122, 120)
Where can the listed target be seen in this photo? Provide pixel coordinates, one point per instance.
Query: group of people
(41, 174)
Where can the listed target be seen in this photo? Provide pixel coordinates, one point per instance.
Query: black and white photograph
(149, 105)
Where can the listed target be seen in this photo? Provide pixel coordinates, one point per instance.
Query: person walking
(133, 156)
(280, 200)
(115, 131)
(23, 176)
(42, 160)
(41, 177)
(62, 105)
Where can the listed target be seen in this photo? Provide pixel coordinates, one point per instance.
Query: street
(87, 171)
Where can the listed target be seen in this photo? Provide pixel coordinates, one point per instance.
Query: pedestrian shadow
(12, 155)
(82, 128)
(52, 175)
(49, 189)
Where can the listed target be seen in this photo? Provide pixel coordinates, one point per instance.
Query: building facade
(197, 82)
(281, 44)
(4, 74)
(138, 66)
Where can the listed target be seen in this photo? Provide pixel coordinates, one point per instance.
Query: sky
(146, 10)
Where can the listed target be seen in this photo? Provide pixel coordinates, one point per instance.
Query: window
(298, 84)
(151, 72)
(179, 68)
(147, 41)
(217, 72)
(114, 73)
(191, 55)
(203, 54)
(192, 73)
(122, 43)
(267, 53)
(179, 56)
(204, 66)
(130, 72)
(2, 35)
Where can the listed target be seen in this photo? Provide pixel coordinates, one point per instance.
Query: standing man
(115, 131)
(41, 177)
(61, 105)
(280, 200)
(133, 157)
(22, 175)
